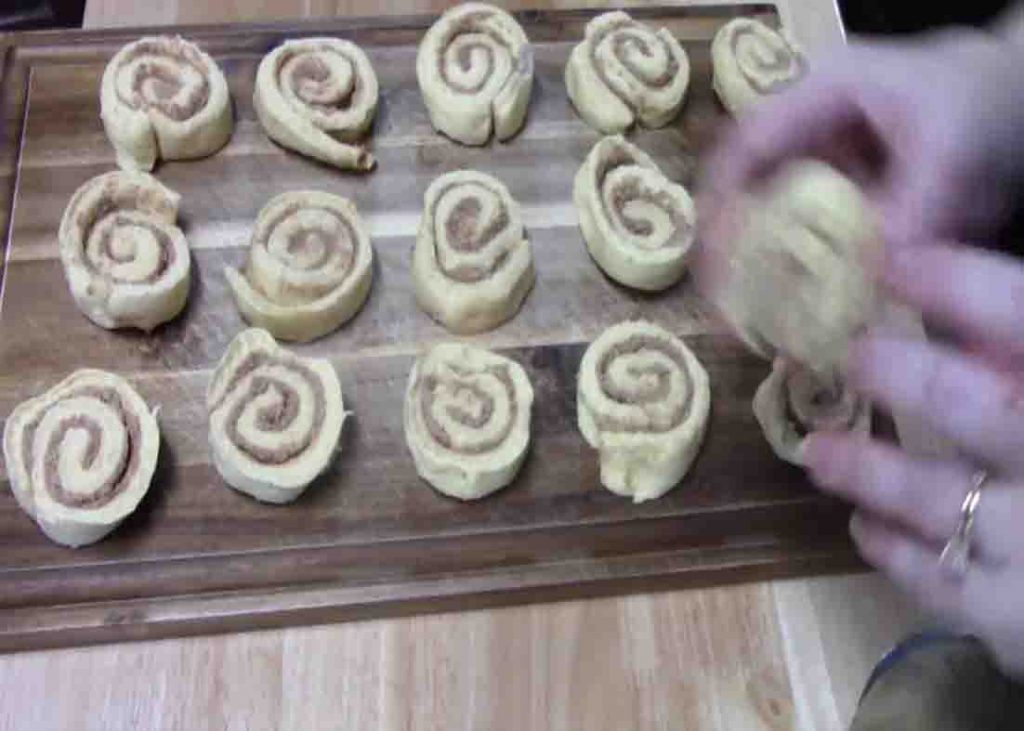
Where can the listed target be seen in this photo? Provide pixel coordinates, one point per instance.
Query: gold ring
(956, 555)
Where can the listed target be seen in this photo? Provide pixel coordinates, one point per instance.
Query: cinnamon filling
(657, 373)
(471, 23)
(155, 86)
(813, 405)
(463, 233)
(314, 84)
(117, 482)
(476, 419)
(628, 34)
(277, 417)
(632, 190)
(306, 240)
(782, 61)
(163, 241)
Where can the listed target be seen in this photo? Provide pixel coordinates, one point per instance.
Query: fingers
(978, 293)
(788, 126)
(914, 567)
(978, 408)
(923, 496)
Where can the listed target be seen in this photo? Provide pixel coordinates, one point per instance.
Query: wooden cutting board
(370, 538)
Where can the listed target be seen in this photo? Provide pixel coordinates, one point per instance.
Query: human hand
(907, 506)
(930, 129)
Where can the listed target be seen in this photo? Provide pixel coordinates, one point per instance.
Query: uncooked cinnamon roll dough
(467, 419)
(625, 72)
(163, 97)
(798, 282)
(310, 266)
(643, 401)
(475, 71)
(81, 456)
(794, 401)
(639, 226)
(318, 96)
(751, 61)
(125, 260)
(275, 418)
(472, 265)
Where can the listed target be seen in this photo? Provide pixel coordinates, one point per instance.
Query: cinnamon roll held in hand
(639, 226)
(625, 72)
(643, 401)
(751, 61)
(475, 71)
(80, 457)
(798, 282)
(472, 266)
(163, 97)
(275, 418)
(125, 260)
(310, 266)
(467, 419)
(793, 402)
(317, 96)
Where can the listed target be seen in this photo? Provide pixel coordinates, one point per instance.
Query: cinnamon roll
(624, 72)
(317, 96)
(638, 225)
(472, 265)
(475, 71)
(310, 266)
(794, 401)
(163, 97)
(80, 457)
(642, 400)
(275, 418)
(125, 260)
(810, 234)
(751, 61)
(467, 419)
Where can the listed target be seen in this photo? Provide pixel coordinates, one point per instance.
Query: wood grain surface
(370, 536)
(789, 654)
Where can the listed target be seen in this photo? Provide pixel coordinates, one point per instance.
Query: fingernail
(810, 451)
(857, 526)
(822, 459)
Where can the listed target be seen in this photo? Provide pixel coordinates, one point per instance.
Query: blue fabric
(906, 647)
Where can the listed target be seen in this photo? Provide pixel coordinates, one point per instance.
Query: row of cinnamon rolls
(310, 258)
(164, 97)
(82, 455)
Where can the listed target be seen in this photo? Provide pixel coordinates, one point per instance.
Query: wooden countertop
(779, 655)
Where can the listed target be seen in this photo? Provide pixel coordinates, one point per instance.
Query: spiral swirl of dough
(81, 456)
(751, 61)
(275, 418)
(624, 72)
(317, 95)
(472, 266)
(639, 226)
(794, 401)
(310, 266)
(475, 71)
(126, 262)
(643, 400)
(161, 96)
(467, 419)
